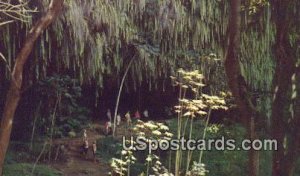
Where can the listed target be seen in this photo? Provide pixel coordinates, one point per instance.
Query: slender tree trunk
(285, 68)
(58, 99)
(14, 92)
(289, 161)
(294, 154)
(36, 113)
(289, 156)
(119, 95)
(237, 83)
(39, 157)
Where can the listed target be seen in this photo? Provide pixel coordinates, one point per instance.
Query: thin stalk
(128, 169)
(181, 121)
(39, 157)
(34, 124)
(119, 94)
(204, 133)
(170, 160)
(148, 165)
(178, 135)
(185, 125)
(53, 124)
(191, 152)
(189, 155)
(121, 165)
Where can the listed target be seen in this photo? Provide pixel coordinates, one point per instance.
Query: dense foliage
(92, 42)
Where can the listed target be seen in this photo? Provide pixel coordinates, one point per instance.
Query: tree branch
(14, 91)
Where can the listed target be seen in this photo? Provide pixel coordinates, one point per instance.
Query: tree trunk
(285, 68)
(119, 95)
(290, 155)
(237, 83)
(14, 91)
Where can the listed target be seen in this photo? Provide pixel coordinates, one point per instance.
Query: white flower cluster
(203, 102)
(198, 169)
(157, 166)
(152, 130)
(121, 166)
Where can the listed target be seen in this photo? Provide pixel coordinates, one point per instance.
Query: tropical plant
(14, 91)
(96, 38)
(69, 115)
(201, 105)
(149, 131)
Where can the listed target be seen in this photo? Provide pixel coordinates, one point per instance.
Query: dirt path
(76, 164)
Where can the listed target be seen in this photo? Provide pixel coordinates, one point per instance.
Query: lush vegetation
(16, 163)
(222, 68)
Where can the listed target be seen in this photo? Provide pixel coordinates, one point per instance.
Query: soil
(76, 163)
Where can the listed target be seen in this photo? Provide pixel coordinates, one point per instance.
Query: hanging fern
(96, 38)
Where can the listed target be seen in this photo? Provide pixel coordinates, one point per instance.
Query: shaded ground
(76, 163)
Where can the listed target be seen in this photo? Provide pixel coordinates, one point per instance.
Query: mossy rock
(72, 134)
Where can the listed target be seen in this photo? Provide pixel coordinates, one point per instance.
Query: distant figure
(85, 148)
(84, 136)
(137, 115)
(94, 150)
(62, 150)
(128, 119)
(146, 114)
(118, 119)
(108, 127)
(108, 114)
